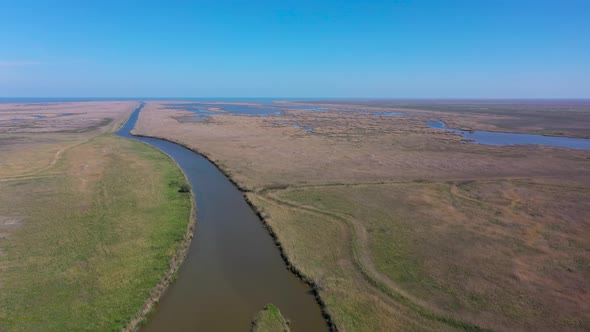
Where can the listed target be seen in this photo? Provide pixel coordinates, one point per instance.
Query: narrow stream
(233, 268)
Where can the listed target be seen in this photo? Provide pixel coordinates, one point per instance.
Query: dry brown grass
(546, 117)
(403, 226)
(349, 147)
(499, 253)
(29, 144)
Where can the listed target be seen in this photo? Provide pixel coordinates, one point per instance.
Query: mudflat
(404, 226)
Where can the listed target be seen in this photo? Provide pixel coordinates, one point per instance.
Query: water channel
(233, 268)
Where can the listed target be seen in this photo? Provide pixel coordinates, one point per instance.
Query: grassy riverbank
(270, 319)
(84, 242)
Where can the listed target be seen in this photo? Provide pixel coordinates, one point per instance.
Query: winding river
(233, 268)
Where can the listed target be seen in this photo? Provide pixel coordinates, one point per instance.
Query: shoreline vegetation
(270, 319)
(182, 249)
(175, 261)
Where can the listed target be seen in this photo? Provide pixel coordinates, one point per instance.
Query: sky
(296, 49)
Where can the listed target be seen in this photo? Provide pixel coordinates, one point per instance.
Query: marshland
(407, 224)
(294, 166)
(365, 222)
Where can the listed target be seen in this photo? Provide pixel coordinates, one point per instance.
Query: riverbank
(87, 240)
(175, 262)
(264, 219)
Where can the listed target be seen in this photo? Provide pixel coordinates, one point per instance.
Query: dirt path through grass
(364, 263)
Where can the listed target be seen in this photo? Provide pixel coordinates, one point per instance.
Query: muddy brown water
(233, 268)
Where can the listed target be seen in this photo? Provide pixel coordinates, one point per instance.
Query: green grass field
(83, 244)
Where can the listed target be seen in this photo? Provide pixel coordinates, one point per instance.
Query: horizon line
(301, 98)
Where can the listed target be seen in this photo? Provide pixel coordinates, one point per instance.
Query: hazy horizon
(229, 98)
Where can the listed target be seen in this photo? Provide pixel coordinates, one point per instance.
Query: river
(233, 268)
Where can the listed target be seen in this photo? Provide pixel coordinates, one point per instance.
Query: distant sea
(268, 100)
(260, 100)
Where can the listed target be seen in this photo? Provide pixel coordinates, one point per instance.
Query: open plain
(89, 223)
(403, 226)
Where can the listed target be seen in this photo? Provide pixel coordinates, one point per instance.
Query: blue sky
(283, 48)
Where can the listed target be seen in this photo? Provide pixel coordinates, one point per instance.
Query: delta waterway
(499, 138)
(233, 268)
